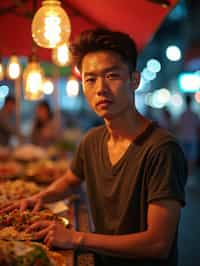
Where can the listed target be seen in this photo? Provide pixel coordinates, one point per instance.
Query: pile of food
(17, 253)
(5, 153)
(29, 152)
(10, 170)
(20, 174)
(14, 224)
(18, 189)
(45, 171)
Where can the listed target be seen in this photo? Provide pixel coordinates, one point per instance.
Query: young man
(134, 171)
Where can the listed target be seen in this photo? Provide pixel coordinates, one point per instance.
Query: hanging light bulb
(48, 86)
(72, 88)
(61, 55)
(33, 77)
(51, 25)
(13, 68)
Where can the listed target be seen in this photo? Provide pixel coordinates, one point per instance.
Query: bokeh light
(4, 90)
(153, 65)
(48, 87)
(72, 88)
(173, 53)
(148, 75)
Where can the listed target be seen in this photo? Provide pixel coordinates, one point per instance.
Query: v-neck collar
(143, 135)
(108, 162)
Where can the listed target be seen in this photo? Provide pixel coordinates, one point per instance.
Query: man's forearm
(56, 191)
(138, 245)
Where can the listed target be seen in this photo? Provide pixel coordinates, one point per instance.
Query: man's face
(107, 83)
(42, 113)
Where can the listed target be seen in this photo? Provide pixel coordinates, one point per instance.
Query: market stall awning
(140, 19)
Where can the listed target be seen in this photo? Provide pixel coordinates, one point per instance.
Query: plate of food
(28, 254)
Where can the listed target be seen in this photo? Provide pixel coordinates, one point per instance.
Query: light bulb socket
(51, 2)
(33, 58)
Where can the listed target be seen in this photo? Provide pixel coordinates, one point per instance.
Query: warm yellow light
(61, 55)
(1, 72)
(72, 88)
(51, 25)
(33, 77)
(13, 68)
(48, 87)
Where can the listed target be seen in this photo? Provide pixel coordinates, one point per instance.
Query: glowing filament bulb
(14, 68)
(34, 81)
(60, 55)
(72, 88)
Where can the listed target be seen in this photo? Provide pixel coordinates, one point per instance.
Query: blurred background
(169, 60)
(167, 34)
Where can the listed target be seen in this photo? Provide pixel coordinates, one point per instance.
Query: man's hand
(55, 234)
(34, 203)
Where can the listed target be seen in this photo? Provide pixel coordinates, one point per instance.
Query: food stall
(26, 170)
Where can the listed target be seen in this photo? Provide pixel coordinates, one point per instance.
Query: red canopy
(140, 19)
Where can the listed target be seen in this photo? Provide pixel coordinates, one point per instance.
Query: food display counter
(19, 179)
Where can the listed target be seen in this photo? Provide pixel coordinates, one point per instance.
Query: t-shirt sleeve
(77, 162)
(167, 174)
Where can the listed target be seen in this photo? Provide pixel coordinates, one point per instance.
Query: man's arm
(155, 242)
(60, 188)
(56, 191)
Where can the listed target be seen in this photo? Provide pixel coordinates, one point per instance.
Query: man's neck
(126, 127)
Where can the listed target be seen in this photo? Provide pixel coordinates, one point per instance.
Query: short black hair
(103, 39)
(9, 98)
(44, 104)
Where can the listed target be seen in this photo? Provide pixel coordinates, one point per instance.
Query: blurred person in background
(7, 121)
(198, 149)
(45, 130)
(165, 119)
(134, 171)
(187, 128)
(149, 113)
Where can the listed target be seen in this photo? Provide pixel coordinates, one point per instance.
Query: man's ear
(135, 80)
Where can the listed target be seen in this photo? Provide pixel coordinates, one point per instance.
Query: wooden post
(17, 88)
(56, 96)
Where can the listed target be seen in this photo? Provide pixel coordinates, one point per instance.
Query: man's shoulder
(94, 133)
(159, 137)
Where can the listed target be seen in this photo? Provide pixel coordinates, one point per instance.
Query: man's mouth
(104, 102)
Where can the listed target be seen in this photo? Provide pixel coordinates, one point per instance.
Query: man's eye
(89, 80)
(112, 76)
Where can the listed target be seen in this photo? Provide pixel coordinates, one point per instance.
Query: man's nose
(102, 86)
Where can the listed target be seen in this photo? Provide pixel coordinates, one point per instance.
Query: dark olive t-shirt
(152, 168)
